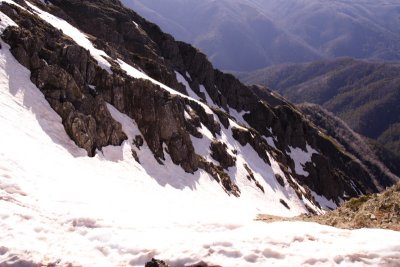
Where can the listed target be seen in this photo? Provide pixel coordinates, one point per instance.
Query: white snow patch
(189, 90)
(5, 22)
(301, 157)
(239, 116)
(202, 145)
(353, 185)
(209, 101)
(264, 174)
(234, 124)
(14, 3)
(188, 75)
(270, 141)
(324, 202)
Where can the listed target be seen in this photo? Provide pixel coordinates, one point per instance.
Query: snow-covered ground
(301, 157)
(59, 206)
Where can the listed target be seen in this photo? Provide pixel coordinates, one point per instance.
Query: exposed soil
(370, 211)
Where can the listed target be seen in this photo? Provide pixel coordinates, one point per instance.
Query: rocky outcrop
(62, 71)
(156, 263)
(160, 118)
(219, 153)
(251, 177)
(78, 89)
(218, 173)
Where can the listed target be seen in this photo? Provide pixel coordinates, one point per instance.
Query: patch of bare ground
(369, 211)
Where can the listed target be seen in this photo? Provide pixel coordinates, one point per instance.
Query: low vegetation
(368, 211)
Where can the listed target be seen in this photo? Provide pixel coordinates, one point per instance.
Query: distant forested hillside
(365, 95)
(245, 35)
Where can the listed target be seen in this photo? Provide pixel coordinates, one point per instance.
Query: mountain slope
(364, 94)
(131, 139)
(373, 156)
(252, 34)
(234, 34)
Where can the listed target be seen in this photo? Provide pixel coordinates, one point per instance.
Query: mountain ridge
(249, 35)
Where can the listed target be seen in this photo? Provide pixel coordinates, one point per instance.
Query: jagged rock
(57, 83)
(249, 136)
(280, 180)
(283, 202)
(138, 141)
(219, 153)
(159, 116)
(205, 118)
(218, 173)
(135, 156)
(83, 130)
(223, 117)
(250, 175)
(241, 135)
(156, 263)
(86, 119)
(260, 186)
(192, 129)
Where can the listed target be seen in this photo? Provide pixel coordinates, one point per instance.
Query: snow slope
(59, 206)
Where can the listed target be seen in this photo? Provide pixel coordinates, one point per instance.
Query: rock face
(78, 89)
(375, 159)
(63, 70)
(156, 263)
(220, 154)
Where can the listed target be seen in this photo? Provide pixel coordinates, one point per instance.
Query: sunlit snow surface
(301, 157)
(59, 206)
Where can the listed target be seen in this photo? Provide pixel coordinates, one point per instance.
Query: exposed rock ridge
(63, 71)
(78, 89)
